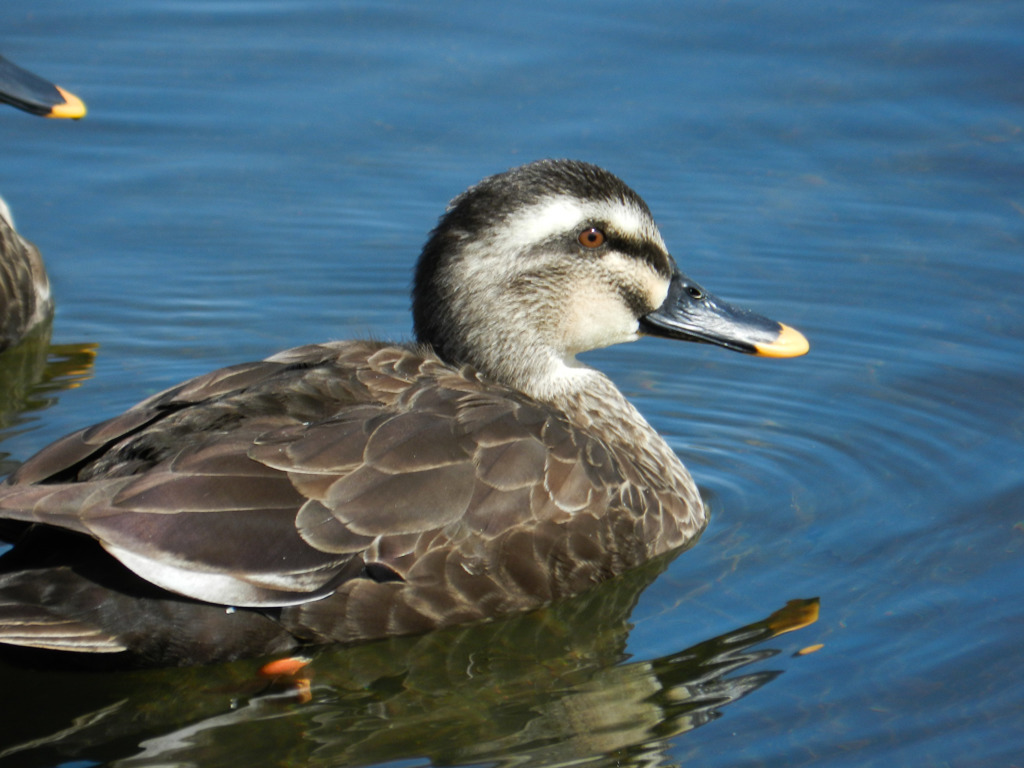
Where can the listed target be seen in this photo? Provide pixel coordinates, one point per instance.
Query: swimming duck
(31, 93)
(25, 298)
(352, 490)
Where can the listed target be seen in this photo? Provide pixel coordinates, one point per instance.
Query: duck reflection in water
(32, 374)
(549, 687)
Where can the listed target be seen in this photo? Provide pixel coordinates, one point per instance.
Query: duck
(349, 491)
(33, 94)
(25, 298)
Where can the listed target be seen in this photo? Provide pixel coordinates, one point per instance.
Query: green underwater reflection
(32, 374)
(551, 687)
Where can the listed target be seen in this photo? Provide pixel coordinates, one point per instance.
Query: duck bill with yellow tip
(689, 313)
(31, 93)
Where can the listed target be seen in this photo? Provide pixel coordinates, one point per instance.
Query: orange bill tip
(73, 107)
(789, 343)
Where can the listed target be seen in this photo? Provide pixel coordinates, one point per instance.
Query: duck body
(355, 490)
(25, 297)
(462, 499)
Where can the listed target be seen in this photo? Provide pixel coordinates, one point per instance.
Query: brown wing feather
(273, 483)
(169, 489)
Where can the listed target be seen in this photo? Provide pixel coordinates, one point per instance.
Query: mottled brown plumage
(354, 490)
(25, 299)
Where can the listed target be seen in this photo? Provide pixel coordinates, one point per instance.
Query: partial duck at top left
(33, 94)
(25, 299)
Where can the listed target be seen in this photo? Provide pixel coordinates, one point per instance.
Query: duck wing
(167, 489)
(272, 483)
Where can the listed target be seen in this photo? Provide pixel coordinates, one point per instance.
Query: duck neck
(592, 402)
(535, 367)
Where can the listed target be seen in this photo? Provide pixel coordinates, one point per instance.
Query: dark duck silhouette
(352, 490)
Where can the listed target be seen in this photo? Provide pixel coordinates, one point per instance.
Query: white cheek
(595, 320)
(657, 289)
(596, 316)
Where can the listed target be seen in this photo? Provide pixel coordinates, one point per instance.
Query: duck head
(530, 267)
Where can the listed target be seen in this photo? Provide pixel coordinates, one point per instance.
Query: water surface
(256, 175)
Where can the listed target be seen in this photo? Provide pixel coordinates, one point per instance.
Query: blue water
(256, 175)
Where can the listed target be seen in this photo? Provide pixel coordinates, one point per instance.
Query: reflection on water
(546, 688)
(31, 376)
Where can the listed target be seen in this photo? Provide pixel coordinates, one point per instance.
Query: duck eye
(591, 238)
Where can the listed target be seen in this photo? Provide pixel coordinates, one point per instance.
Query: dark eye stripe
(645, 251)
